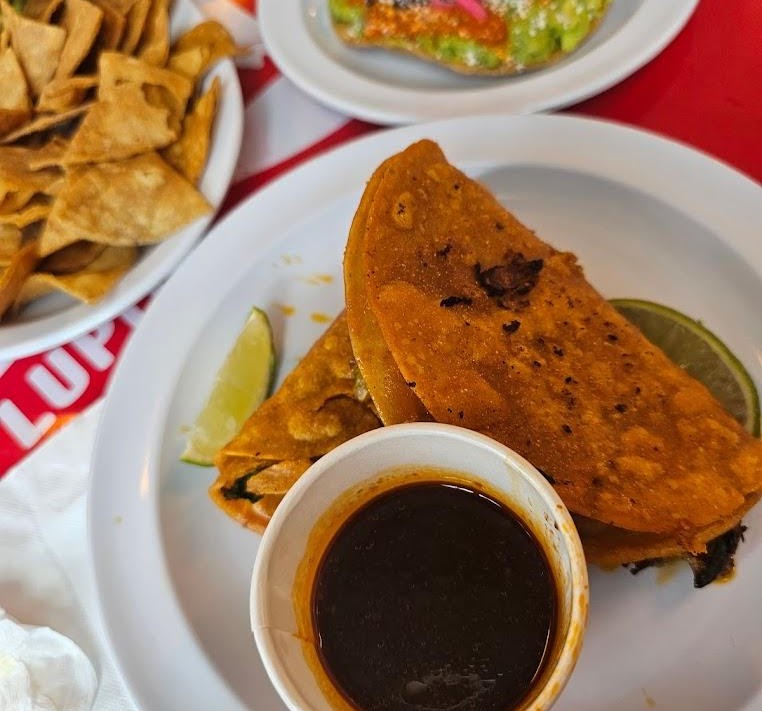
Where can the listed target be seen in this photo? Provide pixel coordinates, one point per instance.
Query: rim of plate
(290, 45)
(26, 338)
(125, 462)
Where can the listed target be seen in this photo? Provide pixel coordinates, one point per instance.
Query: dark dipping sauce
(434, 596)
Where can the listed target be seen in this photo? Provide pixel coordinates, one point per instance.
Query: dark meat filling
(237, 490)
(707, 567)
(718, 559)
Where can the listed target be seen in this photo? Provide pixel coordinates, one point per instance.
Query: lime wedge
(241, 385)
(695, 348)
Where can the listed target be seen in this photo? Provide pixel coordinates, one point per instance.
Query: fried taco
(471, 36)
(318, 407)
(495, 330)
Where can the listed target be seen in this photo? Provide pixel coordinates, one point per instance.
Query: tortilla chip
(188, 154)
(200, 47)
(63, 95)
(41, 10)
(10, 244)
(123, 7)
(113, 258)
(136, 201)
(16, 174)
(136, 19)
(12, 118)
(74, 258)
(88, 286)
(13, 202)
(46, 121)
(36, 210)
(16, 273)
(35, 287)
(154, 44)
(37, 45)
(30, 160)
(189, 63)
(48, 155)
(112, 25)
(82, 22)
(15, 106)
(162, 87)
(499, 332)
(314, 410)
(141, 128)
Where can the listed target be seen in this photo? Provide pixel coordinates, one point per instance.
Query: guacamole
(494, 36)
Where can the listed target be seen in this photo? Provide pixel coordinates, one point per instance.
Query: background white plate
(648, 218)
(391, 88)
(56, 318)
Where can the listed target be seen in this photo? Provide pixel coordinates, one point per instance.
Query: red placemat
(703, 90)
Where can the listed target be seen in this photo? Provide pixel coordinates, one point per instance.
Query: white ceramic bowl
(356, 466)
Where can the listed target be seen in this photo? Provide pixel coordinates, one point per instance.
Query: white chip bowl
(384, 454)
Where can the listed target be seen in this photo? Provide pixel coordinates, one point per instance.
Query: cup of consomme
(420, 566)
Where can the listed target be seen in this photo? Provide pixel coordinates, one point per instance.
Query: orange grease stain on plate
(319, 279)
(319, 317)
(651, 703)
(286, 309)
(726, 577)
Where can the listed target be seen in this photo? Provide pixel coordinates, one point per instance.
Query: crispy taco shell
(314, 410)
(501, 333)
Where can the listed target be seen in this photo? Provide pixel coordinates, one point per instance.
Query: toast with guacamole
(492, 37)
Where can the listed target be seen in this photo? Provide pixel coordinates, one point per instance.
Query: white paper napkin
(41, 670)
(45, 576)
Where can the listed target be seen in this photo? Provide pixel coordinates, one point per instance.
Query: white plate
(647, 217)
(57, 319)
(390, 88)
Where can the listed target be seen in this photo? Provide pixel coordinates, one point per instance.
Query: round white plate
(391, 88)
(56, 318)
(647, 217)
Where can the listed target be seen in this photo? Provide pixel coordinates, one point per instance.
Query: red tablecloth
(704, 90)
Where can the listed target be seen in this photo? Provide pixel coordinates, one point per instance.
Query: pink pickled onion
(472, 7)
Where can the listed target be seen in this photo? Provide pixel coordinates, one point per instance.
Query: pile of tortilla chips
(490, 328)
(104, 134)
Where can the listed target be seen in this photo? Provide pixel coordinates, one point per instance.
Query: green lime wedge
(241, 385)
(695, 348)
